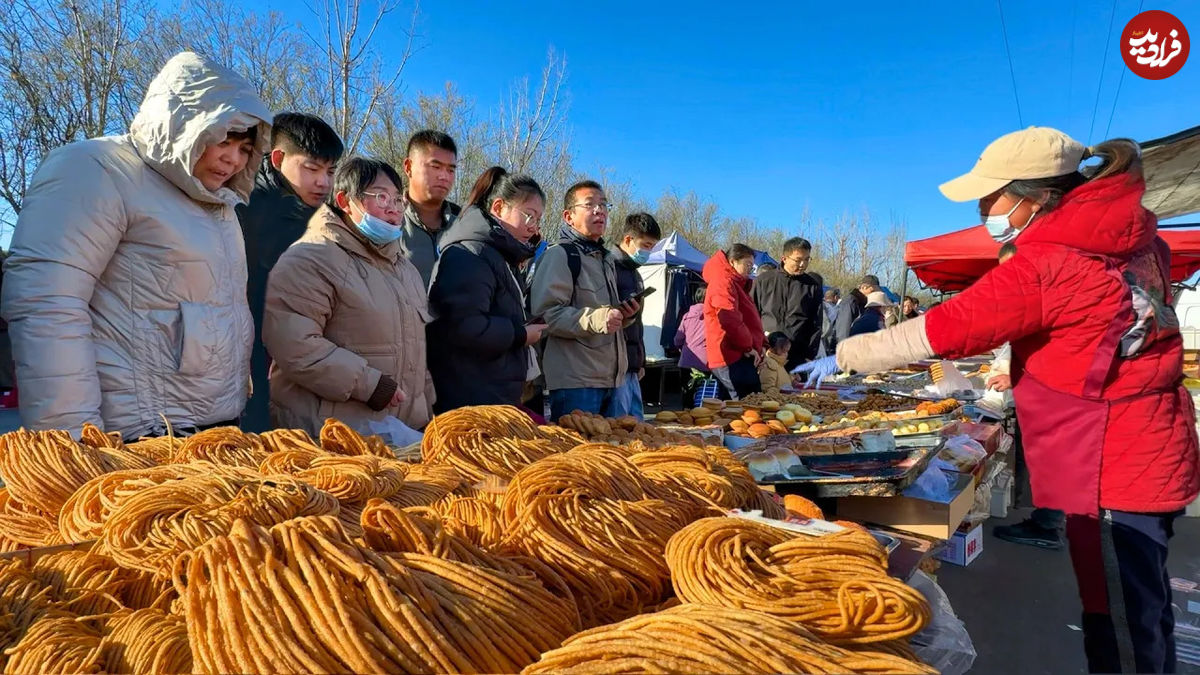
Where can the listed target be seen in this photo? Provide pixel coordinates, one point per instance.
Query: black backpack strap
(574, 263)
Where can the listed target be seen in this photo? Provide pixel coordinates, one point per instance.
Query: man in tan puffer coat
(126, 289)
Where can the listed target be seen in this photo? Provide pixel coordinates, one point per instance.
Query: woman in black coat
(480, 340)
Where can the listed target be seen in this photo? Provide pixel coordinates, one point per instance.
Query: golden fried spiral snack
(486, 440)
(86, 583)
(698, 473)
(473, 518)
(425, 484)
(300, 597)
(712, 639)
(146, 641)
(22, 525)
(23, 600)
(279, 440)
(340, 439)
(93, 437)
(161, 449)
(57, 644)
(43, 468)
(223, 445)
(150, 528)
(83, 516)
(592, 517)
(837, 585)
(292, 460)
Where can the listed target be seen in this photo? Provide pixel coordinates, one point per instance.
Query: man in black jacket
(791, 301)
(640, 235)
(294, 180)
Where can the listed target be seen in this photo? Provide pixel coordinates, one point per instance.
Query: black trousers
(1120, 562)
(744, 377)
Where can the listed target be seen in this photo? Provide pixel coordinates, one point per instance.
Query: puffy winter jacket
(1054, 301)
(578, 353)
(792, 305)
(126, 288)
(690, 338)
(477, 352)
(273, 220)
(732, 326)
(345, 324)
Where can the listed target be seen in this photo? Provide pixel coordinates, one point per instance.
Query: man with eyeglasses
(574, 290)
(791, 301)
(430, 165)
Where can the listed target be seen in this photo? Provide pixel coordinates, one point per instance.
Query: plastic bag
(964, 452)
(394, 432)
(944, 643)
(933, 485)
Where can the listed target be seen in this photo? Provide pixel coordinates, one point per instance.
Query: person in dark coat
(295, 179)
(849, 309)
(640, 235)
(874, 316)
(480, 340)
(791, 300)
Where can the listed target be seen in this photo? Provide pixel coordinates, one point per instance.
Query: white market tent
(673, 264)
(1172, 166)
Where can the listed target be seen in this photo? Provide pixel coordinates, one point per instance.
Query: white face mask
(999, 227)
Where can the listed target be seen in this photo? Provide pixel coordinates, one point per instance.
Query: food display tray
(868, 474)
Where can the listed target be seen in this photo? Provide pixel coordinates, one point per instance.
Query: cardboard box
(919, 516)
(963, 547)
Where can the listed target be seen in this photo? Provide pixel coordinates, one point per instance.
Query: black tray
(831, 481)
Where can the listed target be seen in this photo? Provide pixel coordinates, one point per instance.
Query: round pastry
(770, 406)
(787, 417)
(760, 430)
(713, 403)
(666, 416)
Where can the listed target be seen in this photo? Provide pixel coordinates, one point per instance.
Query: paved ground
(1017, 602)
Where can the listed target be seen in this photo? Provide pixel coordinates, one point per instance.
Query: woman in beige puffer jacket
(126, 289)
(346, 312)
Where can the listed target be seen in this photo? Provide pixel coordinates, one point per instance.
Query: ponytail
(1120, 155)
(483, 187)
(496, 183)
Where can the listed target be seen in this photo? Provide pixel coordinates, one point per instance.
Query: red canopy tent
(951, 262)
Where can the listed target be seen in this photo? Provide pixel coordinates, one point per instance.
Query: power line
(1107, 42)
(1121, 81)
(1071, 76)
(1011, 73)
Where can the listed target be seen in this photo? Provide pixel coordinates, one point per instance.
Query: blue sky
(768, 108)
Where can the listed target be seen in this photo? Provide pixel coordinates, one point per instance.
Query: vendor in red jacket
(732, 326)
(1109, 431)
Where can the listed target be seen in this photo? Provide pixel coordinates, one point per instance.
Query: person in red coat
(732, 326)
(1097, 369)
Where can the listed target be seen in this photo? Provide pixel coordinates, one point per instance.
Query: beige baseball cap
(1036, 152)
(878, 299)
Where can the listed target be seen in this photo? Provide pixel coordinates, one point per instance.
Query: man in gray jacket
(574, 290)
(125, 292)
(430, 167)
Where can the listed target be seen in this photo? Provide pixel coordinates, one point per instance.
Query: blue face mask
(641, 256)
(378, 231)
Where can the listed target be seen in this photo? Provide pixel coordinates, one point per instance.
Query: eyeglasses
(530, 219)
(386, 200)
(603, 207)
